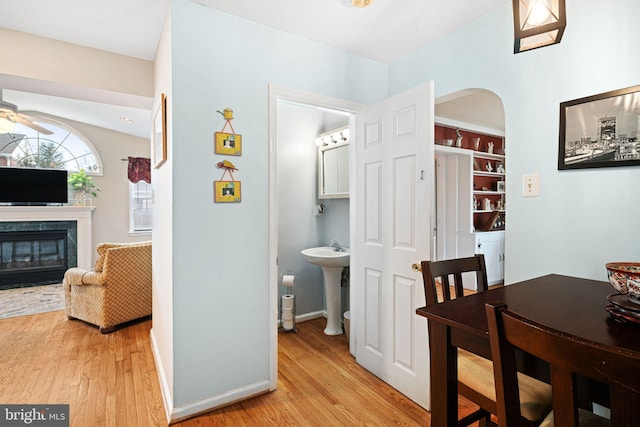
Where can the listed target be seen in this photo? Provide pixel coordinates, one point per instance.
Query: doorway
(471, 200)
(389, 214)
(301, 210)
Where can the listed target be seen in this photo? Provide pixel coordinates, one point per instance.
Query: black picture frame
(600, 131)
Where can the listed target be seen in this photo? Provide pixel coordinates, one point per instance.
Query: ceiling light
(319, 142)
(361, 3)
(538, 23)
(6, 126)
(356, 3)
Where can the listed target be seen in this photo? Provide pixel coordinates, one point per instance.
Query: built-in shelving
(471, 197)
(489, 168)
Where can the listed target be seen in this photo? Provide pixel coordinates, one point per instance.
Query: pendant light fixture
(538, 23)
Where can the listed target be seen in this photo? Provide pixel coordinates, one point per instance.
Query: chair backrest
(567, 356)
(437, 273)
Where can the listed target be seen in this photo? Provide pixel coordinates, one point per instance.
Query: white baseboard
(307, 316)
(164, 385)
(176, 414)
(196, 408)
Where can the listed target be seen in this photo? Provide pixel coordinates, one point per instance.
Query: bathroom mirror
(333, 171)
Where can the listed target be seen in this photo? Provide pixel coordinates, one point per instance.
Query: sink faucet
(336, 246)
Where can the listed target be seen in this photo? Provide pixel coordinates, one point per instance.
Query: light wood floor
(111, 380)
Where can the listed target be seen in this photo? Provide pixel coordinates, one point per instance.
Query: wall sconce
(538, 23)
(336, 136)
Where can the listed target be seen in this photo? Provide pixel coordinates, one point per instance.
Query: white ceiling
(385, 31)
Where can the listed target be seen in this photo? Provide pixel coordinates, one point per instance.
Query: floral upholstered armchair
(116, 291)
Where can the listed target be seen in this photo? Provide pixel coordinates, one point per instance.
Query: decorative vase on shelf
(458, 139)
(476, 144)
(82, 184)
(80, 198)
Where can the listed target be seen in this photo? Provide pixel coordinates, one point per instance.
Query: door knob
(416, 267)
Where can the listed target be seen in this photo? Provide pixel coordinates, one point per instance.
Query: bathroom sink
(326, 256)
(332, 262)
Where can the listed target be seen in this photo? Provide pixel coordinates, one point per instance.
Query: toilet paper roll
(288, 280)
(288, 300)
(287, 311)
(287, 315)
(287, 324)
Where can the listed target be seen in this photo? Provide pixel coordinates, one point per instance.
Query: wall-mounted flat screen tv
(33, 186)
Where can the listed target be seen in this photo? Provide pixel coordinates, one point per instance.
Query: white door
(394, 189)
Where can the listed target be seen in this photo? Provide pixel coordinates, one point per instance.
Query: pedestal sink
(332, 262)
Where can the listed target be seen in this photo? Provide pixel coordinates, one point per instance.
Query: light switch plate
(531, 185)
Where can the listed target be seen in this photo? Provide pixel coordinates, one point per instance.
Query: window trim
(43, 118)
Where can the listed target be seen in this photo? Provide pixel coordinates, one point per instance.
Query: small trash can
(347, 321)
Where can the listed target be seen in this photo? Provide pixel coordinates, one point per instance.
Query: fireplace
(32, 257)
(72, 220)
(36, 252)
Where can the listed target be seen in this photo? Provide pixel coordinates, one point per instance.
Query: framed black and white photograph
(600, 130)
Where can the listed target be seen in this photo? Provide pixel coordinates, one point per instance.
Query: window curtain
(139, 169)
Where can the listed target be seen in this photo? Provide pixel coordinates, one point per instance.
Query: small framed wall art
(227, 191)
(160, 133)
(229, 144)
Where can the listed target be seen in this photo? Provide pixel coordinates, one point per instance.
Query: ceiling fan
(9, 116)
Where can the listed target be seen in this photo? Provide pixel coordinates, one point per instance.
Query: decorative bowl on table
(625, 277)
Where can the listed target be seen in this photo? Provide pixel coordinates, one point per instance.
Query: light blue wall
(220, 251)
(583, 218)
(298, 226)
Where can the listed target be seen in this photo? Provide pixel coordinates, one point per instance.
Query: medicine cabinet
(333, 171)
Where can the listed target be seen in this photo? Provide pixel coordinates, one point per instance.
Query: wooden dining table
(569, 304)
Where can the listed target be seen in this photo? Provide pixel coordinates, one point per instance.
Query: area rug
(31, 300)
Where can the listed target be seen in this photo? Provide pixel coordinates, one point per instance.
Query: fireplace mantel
(81, 214)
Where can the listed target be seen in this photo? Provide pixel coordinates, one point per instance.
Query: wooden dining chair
(443, 281)
(568, 356)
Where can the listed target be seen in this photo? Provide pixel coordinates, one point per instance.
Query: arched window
(64, 149)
